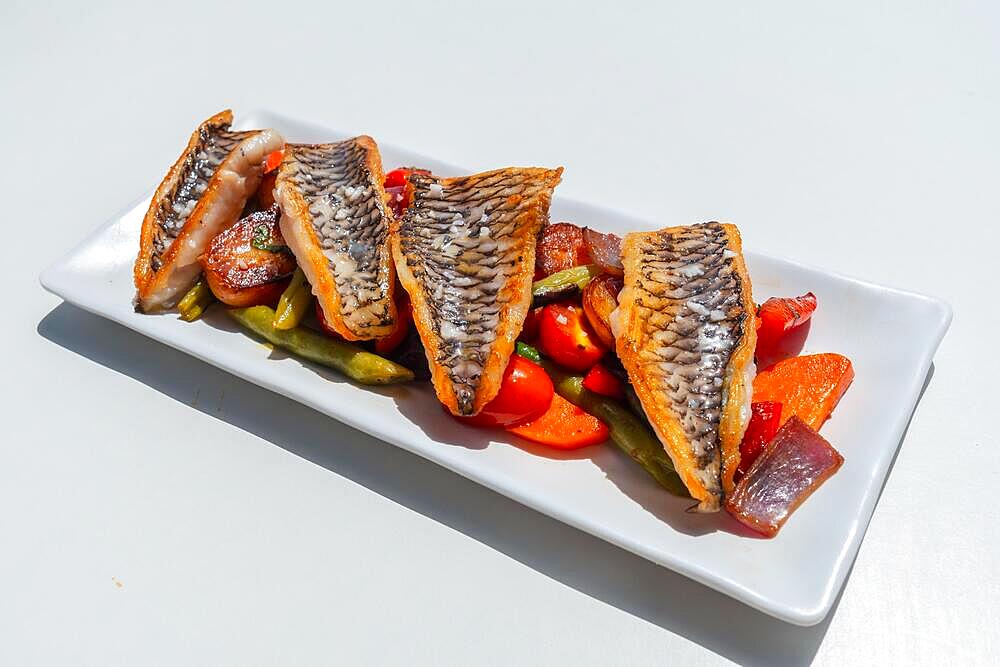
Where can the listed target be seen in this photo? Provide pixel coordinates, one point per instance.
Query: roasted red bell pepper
(602, 381)
(398, 189)
(564, 426)
(765, 418)
(777, 316)
(404, 316)
(272, 161)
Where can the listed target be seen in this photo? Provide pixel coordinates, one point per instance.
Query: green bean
(631, 434)
(528, 352)
(563, 284)
(354, 362)
(294, 302)
(194, 303)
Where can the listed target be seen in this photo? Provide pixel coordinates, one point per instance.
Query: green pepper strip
(194, 303)
(629, 433)
(528, 352)
(354, 362)
(294, 302)
(577, 276)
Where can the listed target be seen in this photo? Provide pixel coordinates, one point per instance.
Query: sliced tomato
(525, 393)
(564, 426)
(765, 418)
(566, 337)
(602, 381)
(777, 316)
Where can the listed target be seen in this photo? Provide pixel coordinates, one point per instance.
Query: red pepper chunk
(602, 381)
(398, 189)
(273, 160)
(564, 426)
(765, 418)
(778, 316)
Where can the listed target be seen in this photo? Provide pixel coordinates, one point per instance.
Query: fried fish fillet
(335, 219)
(203, 193)
(684, 330)
(465, 253)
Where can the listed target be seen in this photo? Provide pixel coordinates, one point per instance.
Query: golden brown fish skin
(203, 193)
(465, 253)
(685, 333)
(346, 259)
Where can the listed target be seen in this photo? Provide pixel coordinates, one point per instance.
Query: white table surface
(154, 510)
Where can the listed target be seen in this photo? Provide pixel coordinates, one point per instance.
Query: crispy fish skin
(203, 193)
(465, 253)
(335, 219)
(685, 332)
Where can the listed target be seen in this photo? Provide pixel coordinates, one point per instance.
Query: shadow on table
(587, 564)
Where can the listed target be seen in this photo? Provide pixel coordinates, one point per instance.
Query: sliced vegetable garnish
(809, 386)
(765, 419)
(525, 394)
(529, 330)
(262, 240)
(602, 381)
(630, 433)
(600, 299)
(273, 161)
(351, 360)
(564, 426)
(398, 190)
(777, 316)
(195, 301)
(605, 250)
(560, 247)
(563, 285)
(528, 352)
(789, 469)
(294, 302)
(565, 337)
(404, 316)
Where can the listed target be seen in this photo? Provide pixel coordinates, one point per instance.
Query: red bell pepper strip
(564, 426)
(765, 418)
(777, 316)
(273, 160)
(602, 381)
(404, 315)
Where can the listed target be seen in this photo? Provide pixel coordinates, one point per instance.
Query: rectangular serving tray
(889, 334)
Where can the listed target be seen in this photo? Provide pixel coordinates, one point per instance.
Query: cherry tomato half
(566, 337)
(525, 394)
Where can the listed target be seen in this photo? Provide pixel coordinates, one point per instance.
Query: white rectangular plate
(890, 336)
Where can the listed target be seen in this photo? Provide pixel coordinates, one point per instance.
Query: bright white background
(154, 510)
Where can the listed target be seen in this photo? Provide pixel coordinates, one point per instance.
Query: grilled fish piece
(465, 253)
(684, 330)
(203, 193)
(335, 219)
